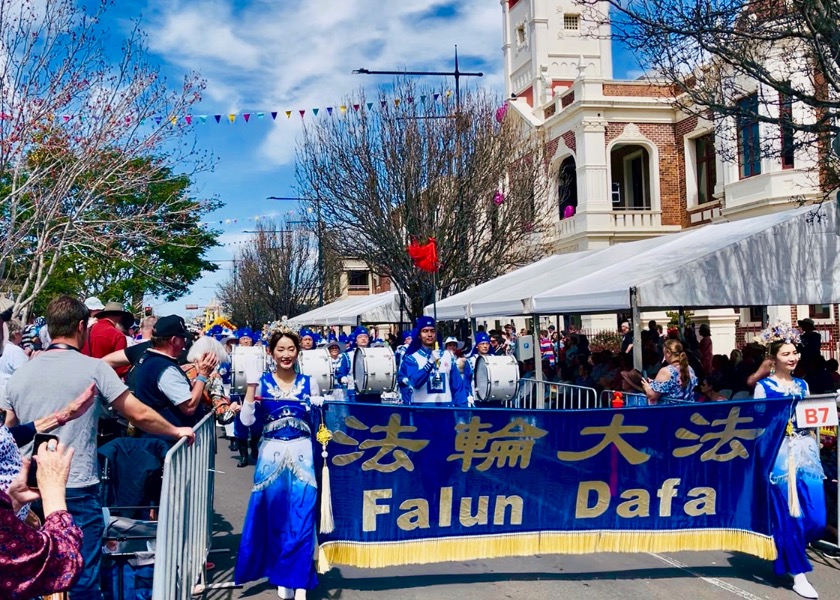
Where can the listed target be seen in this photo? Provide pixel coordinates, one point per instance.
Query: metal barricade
(562, 396)
(185, 524)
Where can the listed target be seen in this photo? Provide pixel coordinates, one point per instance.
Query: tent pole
(681, 319)
(637, 330)
(538, 372)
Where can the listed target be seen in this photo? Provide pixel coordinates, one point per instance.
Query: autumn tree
(275, 274)
(775, 62)
(82, 128)
(412, 164)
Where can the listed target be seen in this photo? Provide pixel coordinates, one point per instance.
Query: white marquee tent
(789, 257)
(376, 308)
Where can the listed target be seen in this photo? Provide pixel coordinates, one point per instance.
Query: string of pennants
(247, 117)
(255, 218)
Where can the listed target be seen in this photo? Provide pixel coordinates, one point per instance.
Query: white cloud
(265, 55)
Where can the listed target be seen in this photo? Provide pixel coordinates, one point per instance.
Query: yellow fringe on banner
(419, 552)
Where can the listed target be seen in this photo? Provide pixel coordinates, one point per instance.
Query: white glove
(253, 373)
(437, 355)
(470, 401)
(316, 400)
(345, 380)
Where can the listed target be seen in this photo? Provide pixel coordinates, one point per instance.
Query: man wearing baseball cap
(158, 380)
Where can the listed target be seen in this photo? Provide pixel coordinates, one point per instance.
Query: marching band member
(399, 353)
(308, 339)
(278, 536)
(240, 430)
(427, 375)
(360, 338)
(341, 369)
(797, 499)
(481, 348)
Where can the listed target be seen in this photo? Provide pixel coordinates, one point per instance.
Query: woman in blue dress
(676, 380)
(796, 521)
(278, 537)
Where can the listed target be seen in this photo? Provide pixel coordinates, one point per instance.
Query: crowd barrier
(185, 523)
(535, 393)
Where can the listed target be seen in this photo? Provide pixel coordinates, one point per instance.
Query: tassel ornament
(324, 436)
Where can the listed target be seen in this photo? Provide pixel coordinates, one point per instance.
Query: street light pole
(319, 235)
(456, 73)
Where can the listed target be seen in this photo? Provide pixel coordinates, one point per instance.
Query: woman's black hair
(279, 335)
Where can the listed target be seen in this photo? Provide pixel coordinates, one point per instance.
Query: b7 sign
(816, 413)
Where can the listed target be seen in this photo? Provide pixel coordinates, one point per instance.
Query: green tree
(132, 263)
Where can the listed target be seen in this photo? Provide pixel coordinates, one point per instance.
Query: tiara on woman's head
(282, 327)
(782, 331)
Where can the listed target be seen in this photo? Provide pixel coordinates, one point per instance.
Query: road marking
(712, 580)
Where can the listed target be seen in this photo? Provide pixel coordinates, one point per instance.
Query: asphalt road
(675, 576)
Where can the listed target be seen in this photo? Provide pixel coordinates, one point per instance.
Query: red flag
(424, 255)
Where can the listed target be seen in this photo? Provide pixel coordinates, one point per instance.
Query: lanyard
(62, 347)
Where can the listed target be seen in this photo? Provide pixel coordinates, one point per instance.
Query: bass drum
(496, 378)
(318, 365)
(240, 358)
(374, 370)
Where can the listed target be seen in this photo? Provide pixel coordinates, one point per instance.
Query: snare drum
(240, 358)
(496, 378)
(318, 365)
(374, 370)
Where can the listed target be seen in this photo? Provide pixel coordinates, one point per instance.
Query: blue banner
(419, 485)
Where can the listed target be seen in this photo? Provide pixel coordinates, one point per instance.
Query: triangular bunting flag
(218, 118)
(315, 111)
(302, 112)
(260, 115)
(382, 102)
(232, 117)
(288, 114)
(343, 109)
(448, 93)
(142, 122)
(396, 101)
(157, 120)
(410, 100)
(436, 96)
(173, 120)
(356, 107)
(127, 120)
(370, 105)
(188, 119)
(66, 118)
(203, 119)
(329, 110)
(273, 115)
(422, 99)
(246, 116)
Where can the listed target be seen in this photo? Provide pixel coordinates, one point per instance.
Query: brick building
(627, 164)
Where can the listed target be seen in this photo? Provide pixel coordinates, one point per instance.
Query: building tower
(548, 44)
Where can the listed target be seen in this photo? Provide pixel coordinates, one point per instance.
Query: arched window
(567, 197)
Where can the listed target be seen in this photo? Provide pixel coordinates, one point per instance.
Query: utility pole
(457, 74)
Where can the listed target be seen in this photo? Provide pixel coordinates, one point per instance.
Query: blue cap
(246, 332)
(359, 331)
(306, 332)
(422, 323)
(481, 337)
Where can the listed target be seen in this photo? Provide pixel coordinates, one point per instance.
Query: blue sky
(278, 55)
